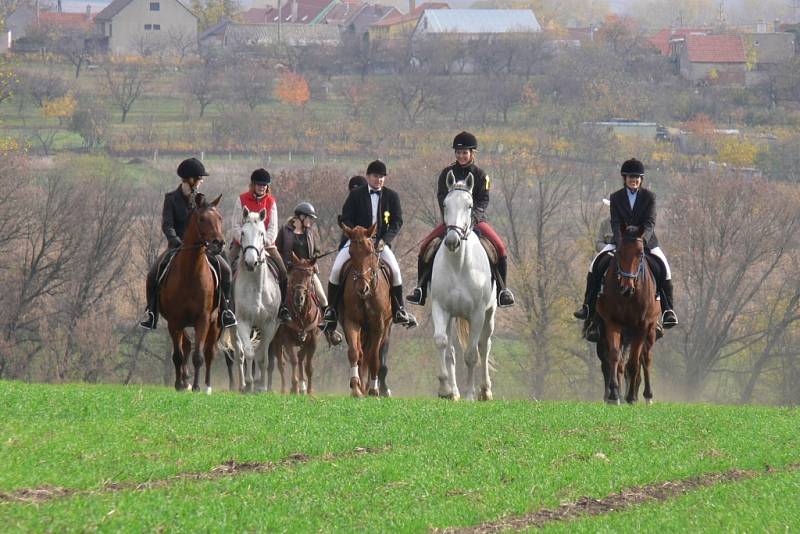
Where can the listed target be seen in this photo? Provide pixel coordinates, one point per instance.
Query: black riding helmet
(465, 140)
(305, 208)
(260, 177)
(377, 167)
(632, 167)
(356, 181)
(191, 168)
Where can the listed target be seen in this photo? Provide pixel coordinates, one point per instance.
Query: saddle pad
(490, 249)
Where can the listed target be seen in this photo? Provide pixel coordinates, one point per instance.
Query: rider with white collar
(632, 206)
(365, 206)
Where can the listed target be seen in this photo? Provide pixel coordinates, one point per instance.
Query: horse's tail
(462, 326)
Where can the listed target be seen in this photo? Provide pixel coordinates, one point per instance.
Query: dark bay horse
(187, 296)
(367, 312)
(629, 312)
(301, 332)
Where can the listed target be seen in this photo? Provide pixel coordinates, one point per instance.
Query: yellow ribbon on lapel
(386, 217)
(488, 182)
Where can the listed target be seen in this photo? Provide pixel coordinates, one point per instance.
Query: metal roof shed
(477, 21)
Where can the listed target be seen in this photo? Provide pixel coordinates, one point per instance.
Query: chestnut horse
(630, 311)
(302, 331)
(367, 312)
(187, 296)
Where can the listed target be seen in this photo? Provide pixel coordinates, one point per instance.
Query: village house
(135, 27)
(400, 25)
(718, 59)
(465, 24)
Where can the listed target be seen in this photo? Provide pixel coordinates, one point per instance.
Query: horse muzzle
(452, 241)
(628, 291)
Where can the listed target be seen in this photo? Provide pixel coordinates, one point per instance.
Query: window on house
(148, 26)
(155, 6)
(156, 26)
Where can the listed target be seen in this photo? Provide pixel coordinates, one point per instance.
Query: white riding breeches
(320, 291)
(386, 255)
(654, 251)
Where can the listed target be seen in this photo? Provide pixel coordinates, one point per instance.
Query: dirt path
(227, 469)
(628, 498)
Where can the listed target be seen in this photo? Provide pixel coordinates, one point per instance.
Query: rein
(299, 315)
(633, 275)
(372, 279)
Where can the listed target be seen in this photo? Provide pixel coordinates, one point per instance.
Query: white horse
(258, 297)
(463, 294)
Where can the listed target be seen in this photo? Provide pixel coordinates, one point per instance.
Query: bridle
(462, 231)
(304, 289)
(632, 275)
(260, 252)
(369, 276)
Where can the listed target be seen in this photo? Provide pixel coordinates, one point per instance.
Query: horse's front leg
(441, 338)
(293, 360)
(647, 362)
(614, 346)
(307, 351)
(353, 336)
(201, 331)
(632, 376)
(471, 353)
(275, 346)
(176, 334)
(209, 351)
(384, 369)
(485, 349)
(372, 355)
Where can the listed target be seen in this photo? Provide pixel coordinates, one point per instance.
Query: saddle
(430, 251)
(166, 263)
(657, 269)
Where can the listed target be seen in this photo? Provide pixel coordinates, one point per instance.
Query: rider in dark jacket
(174, 219)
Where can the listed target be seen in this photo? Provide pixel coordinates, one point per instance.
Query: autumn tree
(292, 89)
(125, 82)
(210, 12)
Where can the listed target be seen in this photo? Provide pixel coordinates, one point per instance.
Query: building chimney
(294, 10)
(412, 5)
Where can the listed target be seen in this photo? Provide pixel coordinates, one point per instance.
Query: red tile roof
(257, 15)
(65, 20)
(400, 18)
(661, 39)
(715, 49)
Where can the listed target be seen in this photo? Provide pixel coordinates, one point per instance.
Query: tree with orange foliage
(292, 89)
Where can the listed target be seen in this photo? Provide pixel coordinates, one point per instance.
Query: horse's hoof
(373, 392)
(356, 393)
(208, 390)
(648, 402)
(385, 392)
(613, 402)
(485, 395)
(188, 387)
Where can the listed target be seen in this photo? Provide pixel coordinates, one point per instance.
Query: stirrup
(669, 319)
(582, 313)
(228, 319)
(416, 297)
(150, 321)
(591, 332)
(505, 298)
(333, 336)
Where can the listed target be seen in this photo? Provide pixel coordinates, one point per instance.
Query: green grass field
(410, 465)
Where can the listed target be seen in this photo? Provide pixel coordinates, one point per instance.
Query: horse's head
(253, 238)
(458, 210)
(630, 259)
(363, 258)
(301, 275)
(209, 224)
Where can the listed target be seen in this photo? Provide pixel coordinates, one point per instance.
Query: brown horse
(186, 298)
(629, 310)
(367, 311)
(302, 331)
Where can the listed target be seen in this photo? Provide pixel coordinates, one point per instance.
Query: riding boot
(583, 311)
(228, 318)
(591, 328)
(668, 317)
(399, 313)
(330, 319)
(283, 313)
(419, 293)
(151, 313)
(505, 297)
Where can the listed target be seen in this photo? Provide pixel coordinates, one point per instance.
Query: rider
(356, 182)
(465, 145)
(365, 206)
(257, 197)
(633, 206)
(174, 219)
(296, 237)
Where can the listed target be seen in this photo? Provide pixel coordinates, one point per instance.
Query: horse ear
(245, 213)
(623, 228)
(470, 181)
(372, 230)
(346, 229)
(216, 201)
(451, 180)
(295, 259)
(640, 233)
(262, 215)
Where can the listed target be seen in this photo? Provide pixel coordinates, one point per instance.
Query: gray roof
(113, 9)
(478, 21)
